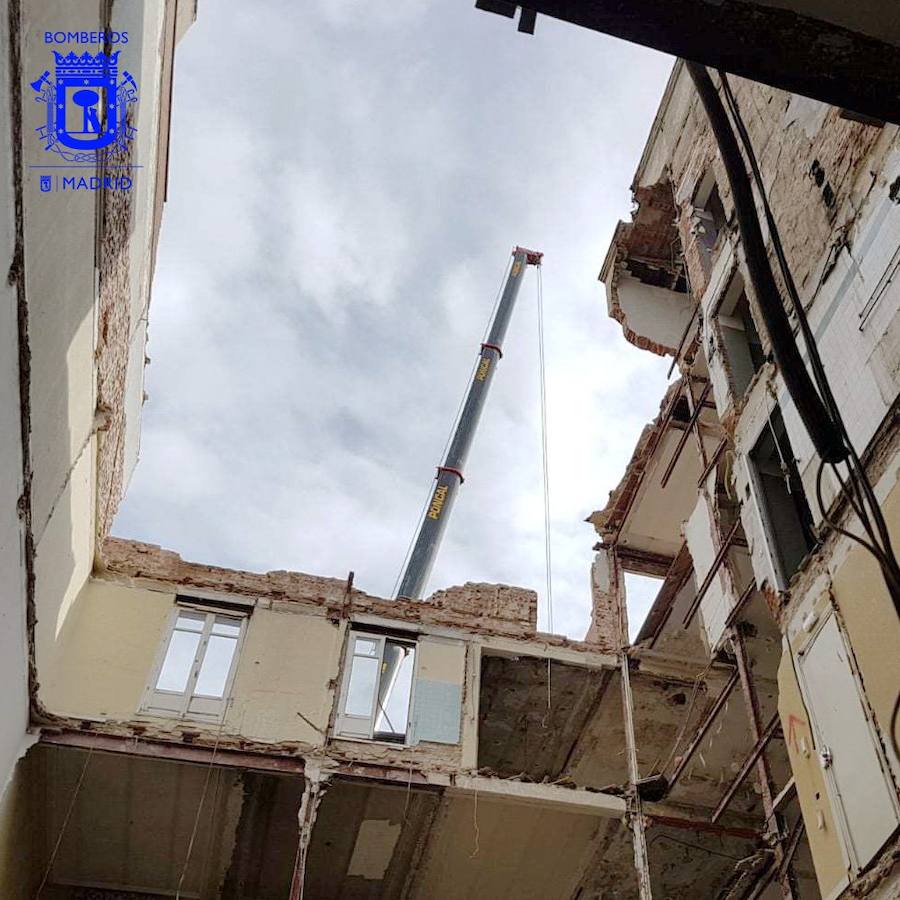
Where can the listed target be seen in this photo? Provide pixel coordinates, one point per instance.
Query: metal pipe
(450, 473)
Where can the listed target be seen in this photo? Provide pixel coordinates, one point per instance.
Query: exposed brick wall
(607, 629)
(483, 608)
(113, 340)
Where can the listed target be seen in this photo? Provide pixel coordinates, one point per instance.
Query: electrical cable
(190, 847)
(860, 493)
(859, 480)
(810, 407)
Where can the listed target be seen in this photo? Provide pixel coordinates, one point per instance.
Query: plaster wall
(13, 661)
(104, 658)
(286, 673)
(716, 603)
(84, 302)
(101, 664)
(21, 859)
(872, 626)
(851, 584)
(63, 560)
(821, 828)
(59, 277)
(438, 691)
(653, 317)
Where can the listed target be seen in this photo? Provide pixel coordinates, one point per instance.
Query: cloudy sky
(346, 183)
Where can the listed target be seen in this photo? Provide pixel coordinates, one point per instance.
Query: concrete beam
(797, 49)
(671, 667)
(592, 659)
(546, 795)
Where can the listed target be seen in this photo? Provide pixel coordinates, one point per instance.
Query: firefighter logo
(87, 107)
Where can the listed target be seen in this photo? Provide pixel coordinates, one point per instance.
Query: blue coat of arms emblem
(87, 107)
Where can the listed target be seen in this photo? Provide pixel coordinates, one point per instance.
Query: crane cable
(548, 561)
(545, 465)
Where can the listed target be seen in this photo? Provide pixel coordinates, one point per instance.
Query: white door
(863, 796)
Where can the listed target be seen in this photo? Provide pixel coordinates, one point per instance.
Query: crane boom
(450, 472)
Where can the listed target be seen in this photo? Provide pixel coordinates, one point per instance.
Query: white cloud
(338, 220)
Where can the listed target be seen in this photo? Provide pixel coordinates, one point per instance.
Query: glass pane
(190, 621)
(176, 667)
(361, 690)
(365, 647)
(395, 690)
(216, 663)
(226, 627)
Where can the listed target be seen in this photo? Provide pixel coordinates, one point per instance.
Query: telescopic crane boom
(450, 472)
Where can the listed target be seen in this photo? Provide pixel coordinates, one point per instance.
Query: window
(193, 676)
(708, 218)
(740, 340)
(786, 513)
(377, 687)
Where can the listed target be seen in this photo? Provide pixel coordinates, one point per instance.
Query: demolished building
(179, 729)
(726, 501)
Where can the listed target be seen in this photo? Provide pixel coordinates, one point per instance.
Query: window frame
(187, 704)
(774, 548)
(354, 727)
(725, 312)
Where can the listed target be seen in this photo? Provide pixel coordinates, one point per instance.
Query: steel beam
(635, 812)
(702, 827)
(713, 570)
(746, 767)
(705, 725)
(184, 753)
(763, 776)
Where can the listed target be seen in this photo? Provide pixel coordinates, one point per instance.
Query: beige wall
(21, 851)
(866, 612)
(100, 669)
(285, 672)
(100, 666)
(872, 625)
(821, 829)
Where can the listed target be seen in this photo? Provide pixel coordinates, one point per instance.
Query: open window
(640, 592)
(708, 217)
(377, 687)
(741, 342)
(785, 512)
(193, 675)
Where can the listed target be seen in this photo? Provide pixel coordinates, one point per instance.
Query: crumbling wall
(486, 608)
(608, 628)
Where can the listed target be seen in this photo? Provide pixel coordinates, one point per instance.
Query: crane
(450, 473)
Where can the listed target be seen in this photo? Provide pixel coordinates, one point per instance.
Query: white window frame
(186, 704)
(362, 728)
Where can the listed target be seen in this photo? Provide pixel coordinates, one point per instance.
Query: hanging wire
(190, 848)
(453, 424)
(859, 493)
(857, 475)
(476, 832)
(545, 456)
(65, 822)
(545, 465)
